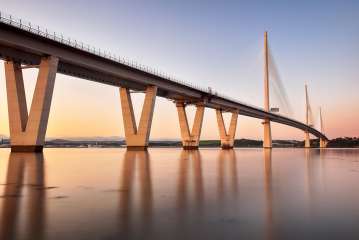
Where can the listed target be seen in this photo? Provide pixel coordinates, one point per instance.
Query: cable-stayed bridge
(24, 45)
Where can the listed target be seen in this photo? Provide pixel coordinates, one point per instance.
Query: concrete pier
(27, 131)
(306, 133)
(190, 140)
(137, 138)
(267, 139)
(322, 143)
(227, 139)
(267, 134)
(306, 139)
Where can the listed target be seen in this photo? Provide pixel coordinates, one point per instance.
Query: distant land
(107, 142)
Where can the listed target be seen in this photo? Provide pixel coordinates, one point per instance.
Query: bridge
(23, 45)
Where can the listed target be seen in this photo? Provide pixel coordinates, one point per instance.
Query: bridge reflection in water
(192, 207)
(136, 173)
(25, 175)
(175, 194)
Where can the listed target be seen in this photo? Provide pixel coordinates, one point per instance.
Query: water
(175, 194)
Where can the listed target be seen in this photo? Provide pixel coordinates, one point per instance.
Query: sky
(208, 43)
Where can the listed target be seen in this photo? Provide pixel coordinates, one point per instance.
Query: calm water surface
(175, 194)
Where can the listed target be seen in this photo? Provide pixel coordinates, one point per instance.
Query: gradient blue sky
(210, 43)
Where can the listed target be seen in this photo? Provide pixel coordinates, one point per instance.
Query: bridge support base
(28, 130)
(267, 140)
(227, 139)
(23, 148)
(322, 143)
(306, 140)
(190, 147)
(137, 138)
(224, 147)
(190, 140)
(137, 148)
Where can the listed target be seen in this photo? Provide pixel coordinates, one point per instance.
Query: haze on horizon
(216, 44)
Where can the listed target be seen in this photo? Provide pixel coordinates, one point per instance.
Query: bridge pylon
(137, 137)
(322, 142)
(28, 130)
(190, 139)
(227, 138)
(306, 132)
(267, 141)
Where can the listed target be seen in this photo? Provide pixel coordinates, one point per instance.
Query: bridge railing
(44, 32)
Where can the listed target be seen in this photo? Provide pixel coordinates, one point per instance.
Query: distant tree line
(346, 142)
(343, 142)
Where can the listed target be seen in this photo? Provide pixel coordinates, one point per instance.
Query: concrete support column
(306, 139)
(267, 137)
(322, 143)
(267, 140)
(27, 131)
(227, 139)
(137, 138)
(190, 140)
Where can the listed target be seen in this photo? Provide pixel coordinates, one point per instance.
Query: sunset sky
(209, 43)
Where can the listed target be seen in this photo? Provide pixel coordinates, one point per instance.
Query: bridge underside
(27, 48)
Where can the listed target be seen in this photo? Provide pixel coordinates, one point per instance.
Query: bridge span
(23, 45)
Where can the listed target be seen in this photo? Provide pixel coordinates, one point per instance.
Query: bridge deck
(27, 45)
